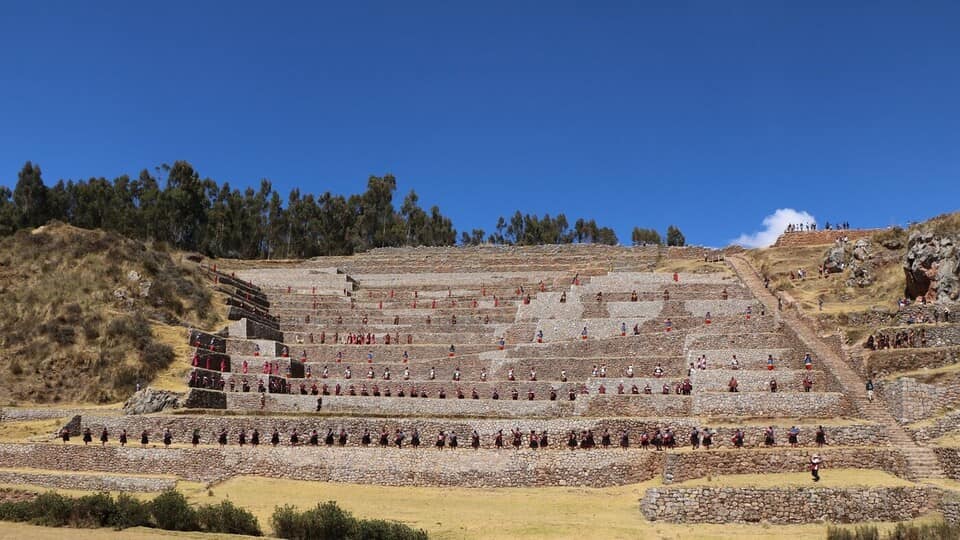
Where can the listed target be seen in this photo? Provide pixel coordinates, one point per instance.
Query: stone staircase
(921, 461)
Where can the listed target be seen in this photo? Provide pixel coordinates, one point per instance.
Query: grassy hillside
(777, 263)
(85, 315)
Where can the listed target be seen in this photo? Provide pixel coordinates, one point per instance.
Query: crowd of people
(812, 226)
(659, 439)
(903, 339)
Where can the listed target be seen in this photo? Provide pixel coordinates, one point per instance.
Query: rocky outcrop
(863, 267)
(149, 400)
(861, 259)
(836, 260)
(932, 267)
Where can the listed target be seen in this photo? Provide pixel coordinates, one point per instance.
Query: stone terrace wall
(14, 414)
(782, 404)
(888, 361)
(788, 380)
(633, 405)
(940, 427)
(387, 466)
(909, 400)
(950, 507)
(937, 335)
(818, 238)
(248, 329)
(949, 459)
(91, 482)
(686, 466)
(630, 346)
(786, 505)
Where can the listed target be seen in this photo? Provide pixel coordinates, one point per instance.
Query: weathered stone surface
(425, 466)
(932, 267)
(91, 482)
(786, 505)
(835, 260)
(949, 459)
(150, 400)
(679, 467)
(862, 265)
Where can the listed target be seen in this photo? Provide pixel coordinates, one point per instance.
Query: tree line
(200, 214)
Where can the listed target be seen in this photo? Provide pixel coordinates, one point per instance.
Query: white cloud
(773, 226)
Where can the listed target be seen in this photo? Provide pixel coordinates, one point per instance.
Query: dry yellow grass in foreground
(21, 531)
(553, 512)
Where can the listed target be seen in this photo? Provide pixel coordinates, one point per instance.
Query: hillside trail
(921, 460)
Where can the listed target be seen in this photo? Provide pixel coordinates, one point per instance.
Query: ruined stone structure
(562, 328)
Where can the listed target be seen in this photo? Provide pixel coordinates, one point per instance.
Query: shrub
(98, 510)
(51, 509)
(328, 521)
(227, 518)
(287, 522)
(64, 335)
(134, 329)
(131, 512)
(378, 529)
(16, 511)
(157, 355)
(172, 512)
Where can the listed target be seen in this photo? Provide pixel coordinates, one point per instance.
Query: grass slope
(88, 314)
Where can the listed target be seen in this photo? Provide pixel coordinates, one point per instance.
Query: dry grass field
(508, 513)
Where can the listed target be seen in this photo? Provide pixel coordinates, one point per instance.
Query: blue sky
(709, 115)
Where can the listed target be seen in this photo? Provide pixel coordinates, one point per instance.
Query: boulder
(861, 250)
(835, 260)
(931, 266)
(149, 400)
(862, 265)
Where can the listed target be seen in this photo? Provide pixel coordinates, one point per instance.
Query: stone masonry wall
(909, 400)
(786, 505)
(685, 466)
(950, 508)
(385, 466)
(780, 404)
(91, 482)
(888, 361)
(949, 459)
(948, 423)
(818, 238)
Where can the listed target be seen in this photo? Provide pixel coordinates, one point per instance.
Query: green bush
(98, 510)
(378, 529)
(329, 522)
(227, 518)
(51, 510)
(172, 512)
(287, 522)
(16, 511)
(157, 355)
(131, 512)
